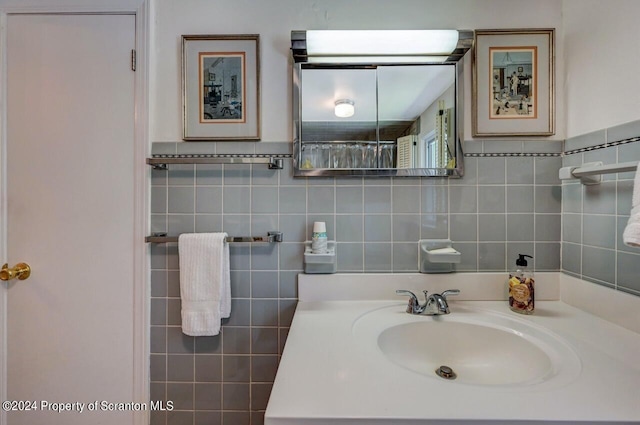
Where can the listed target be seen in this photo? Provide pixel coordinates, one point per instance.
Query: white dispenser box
(320, 263)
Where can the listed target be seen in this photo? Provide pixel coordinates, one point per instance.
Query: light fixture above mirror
(380, 46)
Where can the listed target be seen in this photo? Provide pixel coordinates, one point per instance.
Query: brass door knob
(21, 270)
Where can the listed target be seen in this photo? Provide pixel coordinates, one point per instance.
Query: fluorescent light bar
(359, 60)
(383, 42)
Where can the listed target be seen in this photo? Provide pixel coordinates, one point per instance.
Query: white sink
(351, 360)
(481, 347)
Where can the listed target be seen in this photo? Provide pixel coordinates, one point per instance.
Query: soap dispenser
(521, 291)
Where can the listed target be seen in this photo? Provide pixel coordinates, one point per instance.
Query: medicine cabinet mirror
(385, 113)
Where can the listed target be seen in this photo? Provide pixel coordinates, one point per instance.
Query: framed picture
(513, 83)
(221, 87)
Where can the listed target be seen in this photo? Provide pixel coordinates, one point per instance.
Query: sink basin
(478, 354)
(481, 347)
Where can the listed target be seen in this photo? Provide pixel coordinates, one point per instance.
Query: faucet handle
(448, 292)
(414, 304)
(412, 296)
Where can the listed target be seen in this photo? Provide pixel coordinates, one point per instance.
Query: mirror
(386, 118)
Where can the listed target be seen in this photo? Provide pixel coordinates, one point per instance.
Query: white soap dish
(443, 255)
(437, 256)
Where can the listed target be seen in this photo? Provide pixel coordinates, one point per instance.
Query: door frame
(141, 10)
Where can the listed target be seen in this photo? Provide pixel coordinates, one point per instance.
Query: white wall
(274, 20)
(602, 60)
(68, 5)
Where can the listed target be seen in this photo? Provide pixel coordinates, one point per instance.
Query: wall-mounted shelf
(270, 238)
(160, 163)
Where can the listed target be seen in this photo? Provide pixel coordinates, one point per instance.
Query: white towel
(205, 285)
(631, 235)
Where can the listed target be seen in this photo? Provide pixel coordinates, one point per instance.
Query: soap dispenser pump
(521, 289)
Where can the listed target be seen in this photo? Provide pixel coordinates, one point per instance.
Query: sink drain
(446, 372)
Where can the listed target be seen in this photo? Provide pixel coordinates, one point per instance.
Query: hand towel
(205, 285)
(631, 235)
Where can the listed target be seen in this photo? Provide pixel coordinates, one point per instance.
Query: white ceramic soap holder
(437, 256)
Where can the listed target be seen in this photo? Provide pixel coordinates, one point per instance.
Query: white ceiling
(404, 91)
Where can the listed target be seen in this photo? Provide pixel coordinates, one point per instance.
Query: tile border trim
(506, 154)
(603, 146)
(239, 155)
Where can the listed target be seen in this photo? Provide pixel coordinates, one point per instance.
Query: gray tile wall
(504, 205)
(594, 217)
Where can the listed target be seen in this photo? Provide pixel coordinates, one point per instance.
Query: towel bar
(587, 170)
(161, 163)
(271, 237)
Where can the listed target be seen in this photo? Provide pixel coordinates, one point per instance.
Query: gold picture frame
(221, 87)
(513, 83)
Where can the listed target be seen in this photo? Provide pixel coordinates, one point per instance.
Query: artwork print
(222, 87)
(513, 83)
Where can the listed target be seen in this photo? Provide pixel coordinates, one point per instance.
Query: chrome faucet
(435, 304)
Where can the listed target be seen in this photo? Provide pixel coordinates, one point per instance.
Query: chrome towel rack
(160, 163)
(271, 237)
(586, 172)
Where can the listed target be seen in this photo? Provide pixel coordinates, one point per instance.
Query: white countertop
(326, 376)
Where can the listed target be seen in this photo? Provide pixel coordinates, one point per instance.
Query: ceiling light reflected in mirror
(344, 108)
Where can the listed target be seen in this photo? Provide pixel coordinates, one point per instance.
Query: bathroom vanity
(354, 356)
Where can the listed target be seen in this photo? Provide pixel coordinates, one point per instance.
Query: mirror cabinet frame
(464, 44)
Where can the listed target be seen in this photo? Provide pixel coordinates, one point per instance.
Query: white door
(70, 176)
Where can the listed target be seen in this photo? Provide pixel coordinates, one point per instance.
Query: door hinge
(133, 59)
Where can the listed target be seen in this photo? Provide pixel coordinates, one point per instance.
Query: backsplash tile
(598, 265)
(599, 230)
(547, 227)
(600, 198)
(594, 217)
(491, 199)
(377, 228)
(572, 228)
(350, 257)
(492, 256)
(434, 226)
(519, 170)
(623, 131)
(585, 140)
(463, 199)
(489, 214)
(546, 170)
(492, 171)
(464, 227)
(492, 227)
(377, 257)
(349, 199)
(502, 146)
(626, 152)
(548, 199)
(377, 199)
(520, 199)
(520, 227)
(546, 256)
(627, 277)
